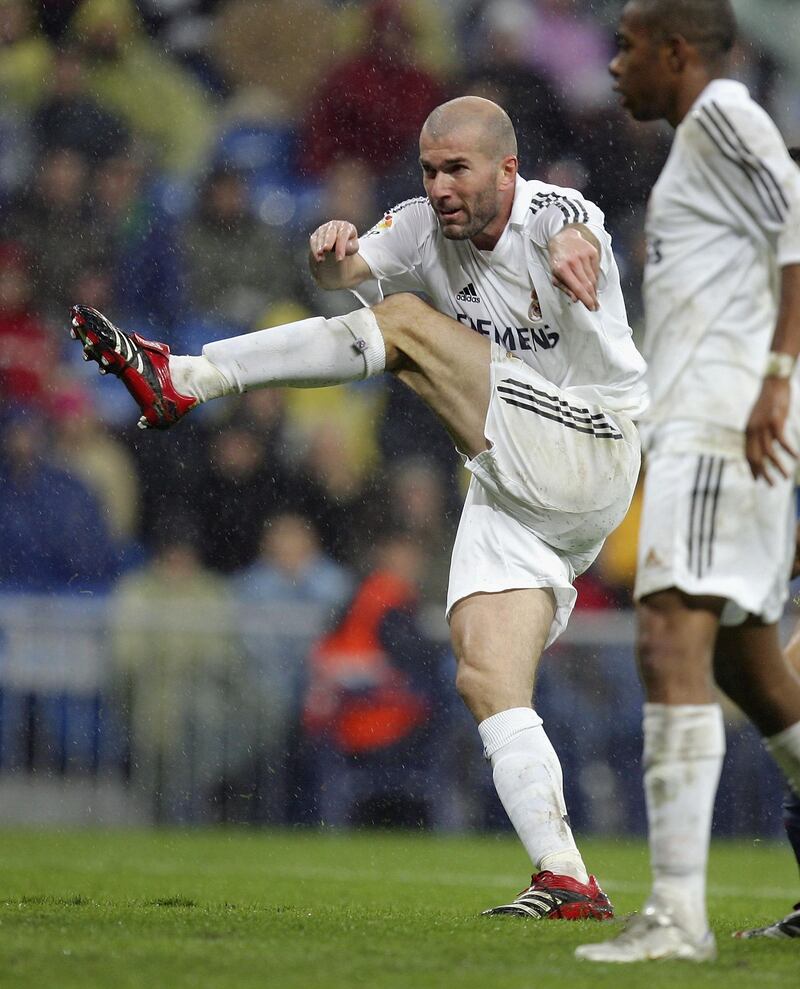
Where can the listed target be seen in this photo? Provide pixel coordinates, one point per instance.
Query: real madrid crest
(534, 310)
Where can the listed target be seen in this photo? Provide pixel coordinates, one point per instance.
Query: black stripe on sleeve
(564, 204)
(574, 208)
(544, 199)
(727, 150)
(581, 215)
(762, 166)
(552, 200)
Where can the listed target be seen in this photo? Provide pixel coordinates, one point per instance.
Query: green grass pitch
(300, 910)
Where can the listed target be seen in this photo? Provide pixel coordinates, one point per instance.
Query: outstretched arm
(575, 263)
(333, 256)
(767, 423)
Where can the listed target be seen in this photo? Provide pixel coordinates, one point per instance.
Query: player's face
(462, 184)
(640, 69)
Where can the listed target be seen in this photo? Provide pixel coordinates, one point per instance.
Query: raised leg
(445, 363)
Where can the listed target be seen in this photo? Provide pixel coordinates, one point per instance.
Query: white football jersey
(507, 293)
(723, 216)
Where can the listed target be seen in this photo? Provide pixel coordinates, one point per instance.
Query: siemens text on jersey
(513, 338)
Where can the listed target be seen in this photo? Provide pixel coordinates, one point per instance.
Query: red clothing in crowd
(356, 697)
(372, 106)
(23, 344)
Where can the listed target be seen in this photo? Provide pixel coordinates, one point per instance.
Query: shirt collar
(521, 204)
(717, 88)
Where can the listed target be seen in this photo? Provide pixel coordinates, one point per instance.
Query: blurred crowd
(165, 161)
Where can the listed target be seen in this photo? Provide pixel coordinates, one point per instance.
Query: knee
(652, 654)
(763, 686)
(675, 667)
(667, 669)
(401, 305)
(730, 683)
(401, 317)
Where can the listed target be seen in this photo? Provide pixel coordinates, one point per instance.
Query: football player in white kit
(722, 308)
(788, 926)
(526, 356)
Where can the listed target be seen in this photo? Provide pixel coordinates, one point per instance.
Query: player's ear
(677, 52)
(508, 170)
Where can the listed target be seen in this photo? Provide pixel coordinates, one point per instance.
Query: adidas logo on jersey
(468, 294)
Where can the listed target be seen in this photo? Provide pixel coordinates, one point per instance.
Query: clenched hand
(337, 237)
(575, 266)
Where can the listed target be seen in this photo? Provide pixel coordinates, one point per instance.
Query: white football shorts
(557, 478)
(709, 529)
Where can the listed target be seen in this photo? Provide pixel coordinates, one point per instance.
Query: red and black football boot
(552, 897)
(142, 366)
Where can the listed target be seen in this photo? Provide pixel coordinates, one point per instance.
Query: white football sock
(527, 776)
(785, 750)
(310, 353)
(684, 746)
(196, 377)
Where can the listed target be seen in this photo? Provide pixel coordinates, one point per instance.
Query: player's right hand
(336, 237)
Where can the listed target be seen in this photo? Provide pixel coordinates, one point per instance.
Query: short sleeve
(392, 247)
(553, 210)
(745, 151)
(789, 237)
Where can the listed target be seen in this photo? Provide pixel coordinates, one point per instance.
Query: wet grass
(233, 908)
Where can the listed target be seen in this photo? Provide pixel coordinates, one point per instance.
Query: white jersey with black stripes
(722, 218)
(507, 293)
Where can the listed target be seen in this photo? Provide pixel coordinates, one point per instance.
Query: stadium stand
(182, 158)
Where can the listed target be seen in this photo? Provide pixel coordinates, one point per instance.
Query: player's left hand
(575, 266)
(766, 429)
